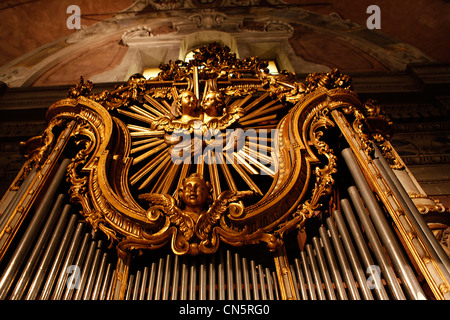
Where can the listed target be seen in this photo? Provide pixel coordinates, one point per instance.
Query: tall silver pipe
(90, 282)
(246, 279)
(230, 292)
(323, 269)
(404, 270)
(342, 259)
(221, 276)
(275, 284)
(270, 284)
(144, 283)
(212, 278)
(184, 279)
(151, 281)
(71, 240)
(315, 272)
(262, 282)
(352, 255)
(159, 279)
(78, 263)
(335, 274)
(294, 281)
(100, 277)
(137, 285)
(306, 272)
(203, 279)
(167, 277)
(49, 253)
(58, 260)
(31, 232)
(176, 277)
(424, 232)
(86, 270)
(254, 280)
(109, 294)
(363, 250)
(31, 263)
(376, 245)
(108, 275)
(130, 285)
(238, 272)
(193, 279)
(301, 280)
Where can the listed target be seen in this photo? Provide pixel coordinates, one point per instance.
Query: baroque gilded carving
(214, 150)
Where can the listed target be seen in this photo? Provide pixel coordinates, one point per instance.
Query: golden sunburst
(250, 161)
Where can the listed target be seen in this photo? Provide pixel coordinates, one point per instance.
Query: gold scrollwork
(124, 177)
(324, 176)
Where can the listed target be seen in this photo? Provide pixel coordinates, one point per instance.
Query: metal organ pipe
(335, 273)
(376, 244)
(79, 261)
(361, 244)
(301, 280)
(73, 241)
(212, 279)
(30, 265)
(50, 251)
(246, 279)
(306, 271)
(100, 277)
(195, 278)
(352, 255)
(377, 216)
(324, 269)
(330, 266)
(434, 247)
(343, 262)
(167, 278)
(176, 278)
(31, 232)
(315, 272)
(238, 271)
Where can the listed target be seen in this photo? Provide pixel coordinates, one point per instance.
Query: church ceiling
(324, 34)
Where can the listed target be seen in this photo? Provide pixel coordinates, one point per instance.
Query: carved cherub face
(188, 102)
(195, 193)
(213, 104)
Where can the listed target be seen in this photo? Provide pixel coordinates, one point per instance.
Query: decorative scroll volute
(130, 184)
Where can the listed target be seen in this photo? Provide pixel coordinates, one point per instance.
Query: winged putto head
(196, 194)
(195, 215)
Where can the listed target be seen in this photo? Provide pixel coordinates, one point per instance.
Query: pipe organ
(217, 180)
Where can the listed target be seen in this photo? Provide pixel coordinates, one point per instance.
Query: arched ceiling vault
(118, 39)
